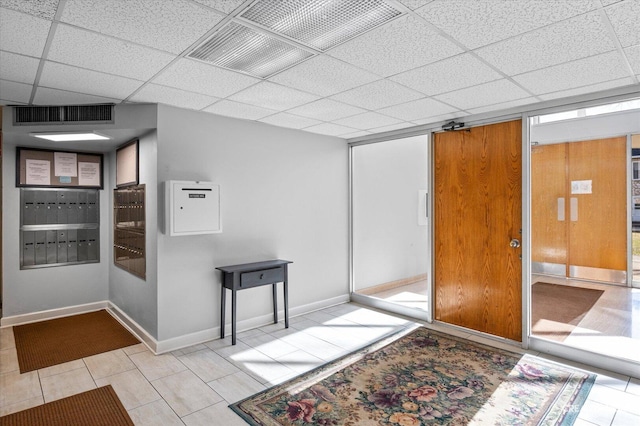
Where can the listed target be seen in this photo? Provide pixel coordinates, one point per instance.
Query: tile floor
(194, 386)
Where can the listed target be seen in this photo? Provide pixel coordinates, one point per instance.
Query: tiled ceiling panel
(447, 75)
(64, 77)
(24, 34)
(324, 76)
(330, 129)
(289, 120)
(273, 96)
(202, 78)
(593, 88)
(403, 44)
(491, 93)
(391, 127)
(327, 110)
(633, 55)
(478, 23)
(414, 4)
(368, 120)
(504, 105)
(239, 110)
(321, 24)
(225, 6)
(583, 72)
(46, 96)
(97, 52)
(15, 92)
(166, 25)
(19, 68)
(379, 94)
(626, 22)
(154, 93)
(45, 9)
(418, 109)
(576, 38)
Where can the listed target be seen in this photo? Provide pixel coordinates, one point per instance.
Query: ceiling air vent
(68, 114)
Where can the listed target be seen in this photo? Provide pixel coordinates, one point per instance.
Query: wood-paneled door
(579, 209)
(478, 228)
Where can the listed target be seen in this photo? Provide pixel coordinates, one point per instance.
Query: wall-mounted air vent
(69, 114)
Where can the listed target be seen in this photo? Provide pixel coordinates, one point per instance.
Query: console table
(249, 275)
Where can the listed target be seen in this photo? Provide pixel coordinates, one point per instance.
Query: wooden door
(477, 212)
(598, 225)
(549, 209)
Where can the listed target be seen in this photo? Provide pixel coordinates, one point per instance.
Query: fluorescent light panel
(70, 137)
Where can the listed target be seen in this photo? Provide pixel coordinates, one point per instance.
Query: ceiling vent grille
(240, 48)
(321, 24)
(68, 114)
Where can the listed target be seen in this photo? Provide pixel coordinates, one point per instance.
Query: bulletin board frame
(127, 164)
(44, 168)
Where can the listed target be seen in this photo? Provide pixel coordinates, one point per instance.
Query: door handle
(515, 243)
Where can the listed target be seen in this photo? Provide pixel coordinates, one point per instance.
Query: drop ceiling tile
(283, 119)
(357, 134)
(273, 96)
(583, 72)
(47, 96)
(330, 129)
(625, 21)
(484, 94)
(447, 75)
(575, 38)
(608, 2)
(588, 89)
(415, 4)
(382, 129)
(15, 92)
(239, 110)
(97, 52)
(18, 68)
(326, 110)
(504, 105)
(368, 120)
(45, 9)
(633, 56)
(401, 45)
(65, 77)
(439, 118)
(324, 76)
(419, 109)
(24, 34)
(166, 25)
(478, 23)
(154, 93)
(376, 95)
(202, 78)
(226, 6)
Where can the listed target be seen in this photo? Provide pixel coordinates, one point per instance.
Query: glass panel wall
(390, 223)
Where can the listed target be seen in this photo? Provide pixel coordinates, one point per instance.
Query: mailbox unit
(59, 227)
(192, 208)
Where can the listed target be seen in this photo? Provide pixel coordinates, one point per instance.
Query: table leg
(223, 306)
(233, 317)
(275, 302)
(286, 299)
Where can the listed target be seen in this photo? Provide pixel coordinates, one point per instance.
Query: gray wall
(283, 195)
(136, 297)
(388, 242)
(34, 290)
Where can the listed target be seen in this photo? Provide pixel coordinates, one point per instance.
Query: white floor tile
(156, 366)
(186, 393)
(6, 338)
(108, 364)
(208, 365)
(133, 389)
(16, 387)
(9, 360)
(155, 413)
(236, 387)
(67, 384)
(216, 414)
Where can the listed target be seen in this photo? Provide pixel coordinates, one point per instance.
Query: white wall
(34, 290)
(136, 297)
(389, 244)
(284, 195)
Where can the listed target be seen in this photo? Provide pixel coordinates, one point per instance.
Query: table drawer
(264, 276)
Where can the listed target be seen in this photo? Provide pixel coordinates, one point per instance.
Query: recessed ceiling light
(70, 136)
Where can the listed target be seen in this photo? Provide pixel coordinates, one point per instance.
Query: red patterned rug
(425, 377)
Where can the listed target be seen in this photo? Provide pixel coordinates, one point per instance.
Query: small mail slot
(264, 276)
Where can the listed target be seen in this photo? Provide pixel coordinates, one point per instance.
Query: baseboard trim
(53, 314)
(392, 284)
(133, 327)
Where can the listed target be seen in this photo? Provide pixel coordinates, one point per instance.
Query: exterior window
(636, 169)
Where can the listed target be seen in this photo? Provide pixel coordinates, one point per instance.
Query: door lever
(515, 243)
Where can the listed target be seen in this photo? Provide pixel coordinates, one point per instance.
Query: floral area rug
(425, 377)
